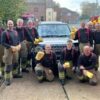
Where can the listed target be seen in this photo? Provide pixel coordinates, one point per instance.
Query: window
(54, 30)
(49, 13)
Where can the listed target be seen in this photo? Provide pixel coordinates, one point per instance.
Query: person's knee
(39, 74)
(50, 77)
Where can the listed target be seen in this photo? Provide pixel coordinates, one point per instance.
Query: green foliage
(11, 9)
(89, 9)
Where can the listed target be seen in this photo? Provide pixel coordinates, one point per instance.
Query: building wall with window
(50, 14)
(37, 8)
(68, 16)
(40, 9)
(49, 10)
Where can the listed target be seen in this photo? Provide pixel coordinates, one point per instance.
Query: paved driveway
(28, 88)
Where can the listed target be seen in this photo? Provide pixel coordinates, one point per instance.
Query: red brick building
(66, 15)
(38, 9)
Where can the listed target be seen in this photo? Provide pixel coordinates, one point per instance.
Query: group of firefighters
(17, 51)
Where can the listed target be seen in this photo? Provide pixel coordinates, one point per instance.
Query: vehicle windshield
(53, 30)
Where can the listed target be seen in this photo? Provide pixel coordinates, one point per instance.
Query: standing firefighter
(96, 37)
(84, 36)
(46, 66)
(11, 43)
(24, 36)
(1, 55)
(87, 64)
(33, 32)
(68, 62)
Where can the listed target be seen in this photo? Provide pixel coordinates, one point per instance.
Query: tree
(89, 9)
(11, 9)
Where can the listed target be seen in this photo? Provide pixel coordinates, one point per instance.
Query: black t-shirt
(88, 62)
(10, 38)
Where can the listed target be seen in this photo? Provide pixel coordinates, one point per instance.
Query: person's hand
(40, 39)
(13, 49)
(73, 69)
(36, 41)
(18, 47)
(88, 73)
(66, 65)
(49, 71)
(82, 68)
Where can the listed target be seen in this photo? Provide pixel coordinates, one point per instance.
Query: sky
(73, 4)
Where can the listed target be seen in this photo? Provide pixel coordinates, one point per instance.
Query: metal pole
(45, 9)
(96, 7)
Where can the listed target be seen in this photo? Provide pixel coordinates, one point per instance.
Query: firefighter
(87, 64)
(11, 43)
(1, 55)
(34, 34)
(84, 36)
(24, 36)
(89, 25)
(96, 37)
(68, 62)
(46, 67)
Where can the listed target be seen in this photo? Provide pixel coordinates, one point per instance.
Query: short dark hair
(69, 41)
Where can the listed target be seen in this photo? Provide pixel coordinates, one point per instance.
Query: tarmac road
(28, 88)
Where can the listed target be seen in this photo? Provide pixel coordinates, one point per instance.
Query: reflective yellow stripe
(15, 71)
(61, 75)
(40, 77)
(1, 69)
(8, 75)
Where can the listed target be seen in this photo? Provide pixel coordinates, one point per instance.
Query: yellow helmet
(73, 32)
(99, 20)
(39, 55)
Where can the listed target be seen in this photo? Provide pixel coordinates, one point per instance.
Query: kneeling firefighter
(46, 67)
(68, 62)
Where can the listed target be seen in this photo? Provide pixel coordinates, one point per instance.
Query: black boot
(17, 76)
(25, 70)
(93, 83)
(28, 66)
(62, 81)
(7, 82)
(69, 77)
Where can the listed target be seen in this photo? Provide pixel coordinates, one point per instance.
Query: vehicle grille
(57, 49)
